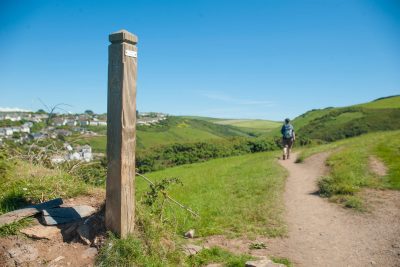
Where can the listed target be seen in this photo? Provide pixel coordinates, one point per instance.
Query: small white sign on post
(130, 53)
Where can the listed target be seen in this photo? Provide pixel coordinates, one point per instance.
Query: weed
(13, 228)
(217, 255)
(284, 261)
(257, 246)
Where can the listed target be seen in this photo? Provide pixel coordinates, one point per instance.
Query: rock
(42, 232)
(68, 231)
(53, 263)
(66, 215)
(263, 263)
(191, 249)
(89, 253)
(84, 233)
(58, 258)
(190, 233)
(23, 253)
(99, 241)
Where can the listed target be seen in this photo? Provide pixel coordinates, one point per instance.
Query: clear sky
(266, 59)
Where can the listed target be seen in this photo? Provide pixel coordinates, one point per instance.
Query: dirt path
(324, 234)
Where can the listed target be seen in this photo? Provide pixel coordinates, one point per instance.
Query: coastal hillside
(332, 124)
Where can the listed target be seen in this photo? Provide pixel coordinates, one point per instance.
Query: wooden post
(121, 133)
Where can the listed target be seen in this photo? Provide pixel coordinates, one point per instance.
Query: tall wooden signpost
(121, 133)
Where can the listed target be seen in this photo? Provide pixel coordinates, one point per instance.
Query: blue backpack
(287, 131)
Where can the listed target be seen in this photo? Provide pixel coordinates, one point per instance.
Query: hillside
(254, 126)
(173, 130)
(332, 124)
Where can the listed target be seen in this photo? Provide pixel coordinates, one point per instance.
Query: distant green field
(177, 134)
(256, 126)
(236, 196)
(174, 130)
(253, 124)
(98, 143)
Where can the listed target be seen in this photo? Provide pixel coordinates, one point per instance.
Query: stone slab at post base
(121, 133)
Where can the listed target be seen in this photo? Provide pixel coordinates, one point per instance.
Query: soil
(377, 166)
(321, 233)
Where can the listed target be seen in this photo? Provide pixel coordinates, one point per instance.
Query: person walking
(288, 138)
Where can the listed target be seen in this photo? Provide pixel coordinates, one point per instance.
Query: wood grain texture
(121, 137)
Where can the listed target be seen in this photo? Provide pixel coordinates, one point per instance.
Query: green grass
(251, 184)
(218, 255)
(349, 168)
(257, 126)
(331, 124)
(26, 184)
(174, 130)
(98, 143)
(385, 102)
(177, 134)
(284, 261)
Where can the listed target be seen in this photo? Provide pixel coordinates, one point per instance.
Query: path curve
(321, 233)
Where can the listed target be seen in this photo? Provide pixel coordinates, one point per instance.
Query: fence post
(121, 133)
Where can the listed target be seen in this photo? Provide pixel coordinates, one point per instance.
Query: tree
(41, 111)
(89, 112)
(52, 109)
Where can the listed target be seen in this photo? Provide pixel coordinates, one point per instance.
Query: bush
(179, 154)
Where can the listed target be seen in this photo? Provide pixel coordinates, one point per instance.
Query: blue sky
(234, 59)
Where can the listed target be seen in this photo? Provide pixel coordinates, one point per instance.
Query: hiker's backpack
(287, 131)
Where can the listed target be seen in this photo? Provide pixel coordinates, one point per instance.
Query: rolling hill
(332, 124)
(252, 126)
(173, 130)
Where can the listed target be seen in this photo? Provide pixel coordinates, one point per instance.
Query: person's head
(287, 120)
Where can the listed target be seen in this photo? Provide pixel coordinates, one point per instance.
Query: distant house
(38, 117)
(71, 123)
(16, 129)
(63, 132)
(57, 159)
(28, 124)
(83, 122)
(38, 136)
(59, 121)
(86, 152)
(75, 156)
(97, 123)
(25, 129)
(12, 117)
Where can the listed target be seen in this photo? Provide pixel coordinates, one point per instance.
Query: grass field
(176, 130)
(248, 125)
(234, 196)
(349, 166)
(386, 102)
